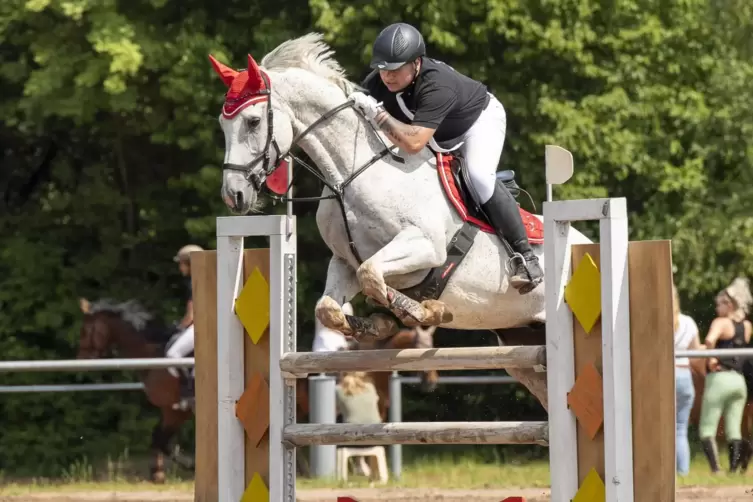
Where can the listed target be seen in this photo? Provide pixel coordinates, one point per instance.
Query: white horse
(388, 220)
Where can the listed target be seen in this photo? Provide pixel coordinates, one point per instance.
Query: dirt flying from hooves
(685, 494)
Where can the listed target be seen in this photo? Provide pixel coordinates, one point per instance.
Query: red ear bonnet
(244, 88)
(227, 74)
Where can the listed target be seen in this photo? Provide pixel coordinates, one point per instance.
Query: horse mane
(130, 311)
(309, 52)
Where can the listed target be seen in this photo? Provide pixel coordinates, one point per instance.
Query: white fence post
(615, 321)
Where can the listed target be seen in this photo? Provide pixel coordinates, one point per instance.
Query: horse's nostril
(238, 199)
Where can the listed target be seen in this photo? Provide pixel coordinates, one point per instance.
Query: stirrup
(531, 282)
(516, 257)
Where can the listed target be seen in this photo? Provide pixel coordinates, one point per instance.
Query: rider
(185, 342)
(419, 101)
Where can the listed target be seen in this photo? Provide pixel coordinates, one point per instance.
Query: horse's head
(123, 328)
(96, 338)
(258, 135)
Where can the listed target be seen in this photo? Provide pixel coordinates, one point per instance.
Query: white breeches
(482, 148)
(181, 348)
(183, 345)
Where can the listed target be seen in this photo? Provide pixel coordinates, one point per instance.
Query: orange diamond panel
(252, 409)
(586, 399)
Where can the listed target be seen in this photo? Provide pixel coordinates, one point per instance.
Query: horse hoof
(372, 284)
(331, 315)
(158, 477)
(436, 312)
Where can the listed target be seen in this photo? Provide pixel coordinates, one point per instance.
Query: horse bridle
(257, 175)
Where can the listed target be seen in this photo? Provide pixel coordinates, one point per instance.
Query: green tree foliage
(111, 151)
(651, 98)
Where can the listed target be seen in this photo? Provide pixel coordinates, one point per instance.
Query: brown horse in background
(129, 331)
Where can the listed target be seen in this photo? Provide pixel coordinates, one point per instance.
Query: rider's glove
(366, 104)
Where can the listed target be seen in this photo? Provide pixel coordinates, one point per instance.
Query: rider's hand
(366, 104)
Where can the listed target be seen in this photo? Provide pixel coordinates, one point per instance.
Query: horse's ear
(255, 81)
(226, 73)
(85, 305)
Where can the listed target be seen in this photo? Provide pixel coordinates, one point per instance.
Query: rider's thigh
(183, 345)
(482, 149)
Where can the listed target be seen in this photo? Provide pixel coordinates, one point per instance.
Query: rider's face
(397, 80)
(185, 268)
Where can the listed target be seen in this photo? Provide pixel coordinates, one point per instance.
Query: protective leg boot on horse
(502, 212)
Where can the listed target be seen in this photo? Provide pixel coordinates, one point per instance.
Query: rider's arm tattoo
(411, 138)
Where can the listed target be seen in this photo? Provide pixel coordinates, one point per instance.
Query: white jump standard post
(560, 345)
(230, 374)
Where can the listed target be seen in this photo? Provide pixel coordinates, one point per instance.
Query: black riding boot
(709, 448)
(503, 214)
(735, 449)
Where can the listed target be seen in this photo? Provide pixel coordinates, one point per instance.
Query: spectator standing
(686, 338)
(725, 391)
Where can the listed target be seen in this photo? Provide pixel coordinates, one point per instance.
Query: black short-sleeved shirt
(440, 98)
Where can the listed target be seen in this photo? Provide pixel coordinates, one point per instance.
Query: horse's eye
(253, 122)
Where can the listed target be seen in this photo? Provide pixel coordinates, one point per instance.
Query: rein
(258, 176)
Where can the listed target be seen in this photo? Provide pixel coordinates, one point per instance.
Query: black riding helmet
(397, 44)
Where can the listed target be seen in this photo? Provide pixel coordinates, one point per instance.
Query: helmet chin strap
(417, 67)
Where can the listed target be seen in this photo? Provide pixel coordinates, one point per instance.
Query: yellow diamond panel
(583, 293)
(592, 489)
(252, 305)
(256, 491)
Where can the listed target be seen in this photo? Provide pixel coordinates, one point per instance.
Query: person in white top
(686, 338)
(327, 340)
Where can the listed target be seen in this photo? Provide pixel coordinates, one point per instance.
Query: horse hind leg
(408, 252)
(534, 381)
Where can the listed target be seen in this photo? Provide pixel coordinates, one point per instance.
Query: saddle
(453, 176)
(457, 188)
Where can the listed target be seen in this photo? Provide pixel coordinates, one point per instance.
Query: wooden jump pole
(233, 389)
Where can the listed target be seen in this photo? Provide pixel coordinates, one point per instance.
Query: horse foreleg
(375, 327)
(411, 250)
(342, 286)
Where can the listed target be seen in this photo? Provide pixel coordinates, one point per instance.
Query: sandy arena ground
(685, 494)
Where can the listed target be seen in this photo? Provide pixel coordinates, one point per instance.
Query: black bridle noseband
(257, 175)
